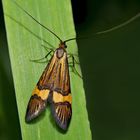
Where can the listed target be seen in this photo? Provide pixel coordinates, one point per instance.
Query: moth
(53, 86)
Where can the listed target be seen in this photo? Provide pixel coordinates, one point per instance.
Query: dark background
(9, 123)
(110, 65)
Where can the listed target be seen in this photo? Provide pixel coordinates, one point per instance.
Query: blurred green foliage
(111, 69)
(9, 122)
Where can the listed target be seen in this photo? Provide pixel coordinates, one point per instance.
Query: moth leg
(70, 55)
(40, 60)
(73, 59)
(48, 48)
(74, 70)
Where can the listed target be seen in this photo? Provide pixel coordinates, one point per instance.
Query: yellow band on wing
(58, 97)
(44, 93)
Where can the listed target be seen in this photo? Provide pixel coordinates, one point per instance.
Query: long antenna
(70, 39)
(108, 30)
(82, 37)
(38, 21)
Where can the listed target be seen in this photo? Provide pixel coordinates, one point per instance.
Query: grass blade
(25, 38)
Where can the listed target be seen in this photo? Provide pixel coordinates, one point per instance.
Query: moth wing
(61, 96)
(37, 104)
(38, 100)
(62, 113)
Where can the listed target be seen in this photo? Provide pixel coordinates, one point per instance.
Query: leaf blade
(25, 45)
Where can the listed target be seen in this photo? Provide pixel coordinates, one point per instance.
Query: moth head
(62, 44)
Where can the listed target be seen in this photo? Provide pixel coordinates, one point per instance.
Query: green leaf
(25, 38)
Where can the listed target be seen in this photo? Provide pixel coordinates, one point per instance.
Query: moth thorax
(60, 52)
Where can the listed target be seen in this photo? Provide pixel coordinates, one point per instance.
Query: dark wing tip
(35, 106)
(62, 113)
